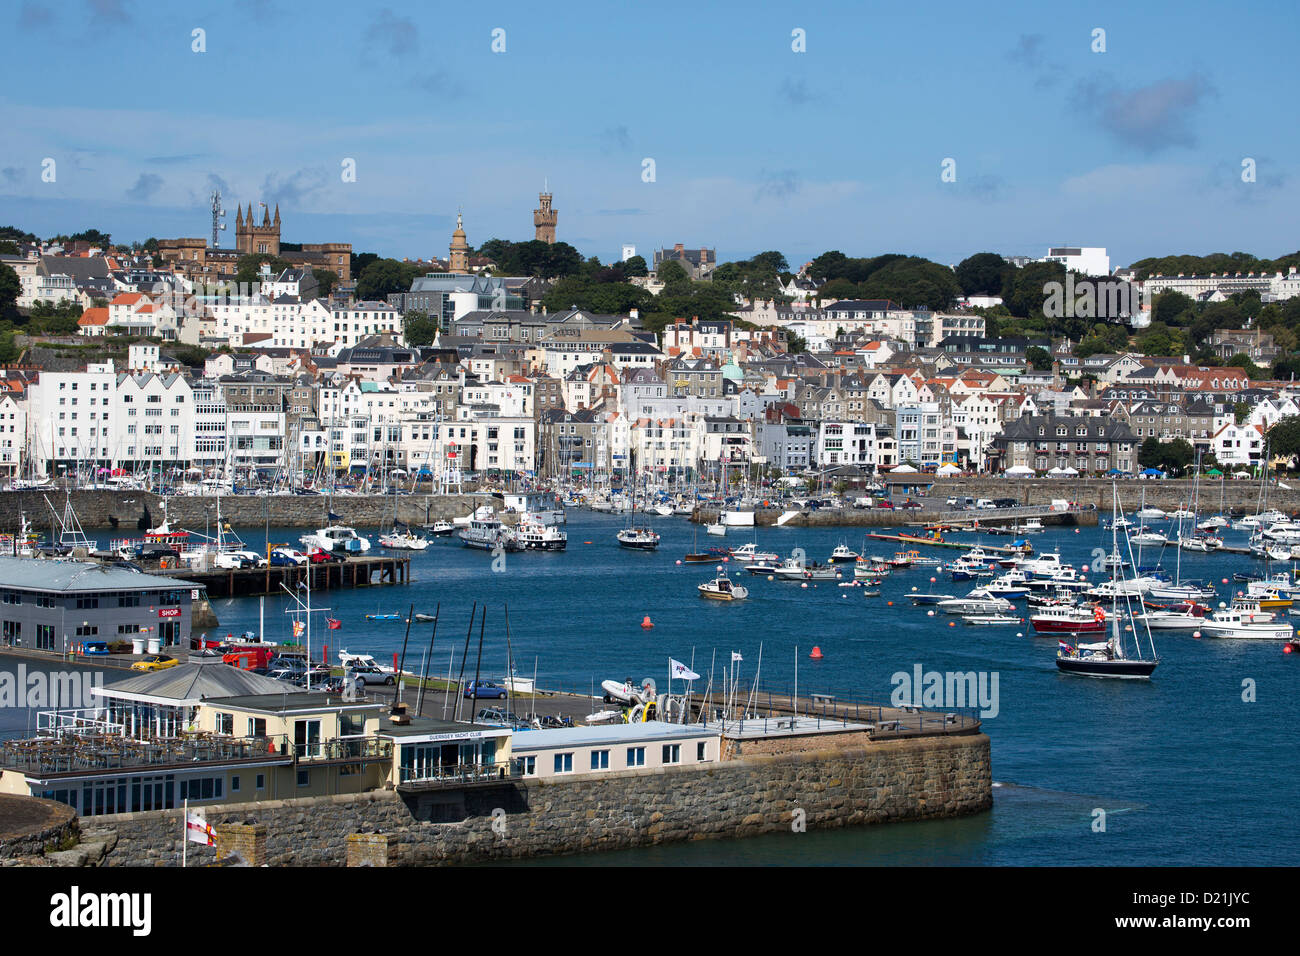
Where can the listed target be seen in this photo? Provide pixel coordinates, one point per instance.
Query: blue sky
(755, 146)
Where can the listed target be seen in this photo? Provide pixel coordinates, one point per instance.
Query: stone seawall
(132, 511)
(1168, 494)
(881, 782)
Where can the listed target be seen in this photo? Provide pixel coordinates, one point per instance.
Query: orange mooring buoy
(816, 654)
(646, 622)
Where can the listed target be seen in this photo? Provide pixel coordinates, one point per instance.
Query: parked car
(284, 558)
(885, 503)
(909, 503)
(368, 674)
(155, 662)
(236, 559)
(490, 715)
(485, 689)
(318, 556)
(284, 674)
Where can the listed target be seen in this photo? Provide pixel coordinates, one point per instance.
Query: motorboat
(1253, 611)
(964, 570)
(1187, 616)
(402, 541)
(762, 567)
(921, 599)
(337, 539)
(843, 554)
(721, 589)
(986, 620)
(1012, 584)
(350, 661)
(793, 569)
(719, 529)
(978, 601)
(1215, 523)
(1232, 623)
(1203, 543)
(1069, 620)
(1187, 591)
(1151, 514)
(638, 539)
(748, 552)
(1148, 537)
(440, 529)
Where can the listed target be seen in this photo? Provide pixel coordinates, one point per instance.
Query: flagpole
(185, 832)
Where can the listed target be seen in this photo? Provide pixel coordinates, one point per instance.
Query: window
(528, 766)
(600, 760)
(13, 632)
(700, 750)
(636, 756)
(87, 602)
(564, 763)
(226, 724)
(304, 778)
(234, 784)
(261, 781)
(672, 753)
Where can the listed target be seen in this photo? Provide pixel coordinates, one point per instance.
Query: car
(882, 503)
(284, 673)
(236, 560)
(490, 715)
(317, 556)
(485, 690)
(155, 662)
(909, 503)
(285, 558)
(156, 552)
(369, 675)
(334, 685)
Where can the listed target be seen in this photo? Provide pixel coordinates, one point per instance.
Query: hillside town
(182, 373)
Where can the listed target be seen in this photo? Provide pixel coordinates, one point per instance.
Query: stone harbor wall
(879, 782)
(130, 512)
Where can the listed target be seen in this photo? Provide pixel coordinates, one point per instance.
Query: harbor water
(1194, 767)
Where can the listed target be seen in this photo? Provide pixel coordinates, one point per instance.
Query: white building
(1085, 260)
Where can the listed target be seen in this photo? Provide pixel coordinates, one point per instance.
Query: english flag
(680, 671)
(198, 831)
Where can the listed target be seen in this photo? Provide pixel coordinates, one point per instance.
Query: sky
(652, 124)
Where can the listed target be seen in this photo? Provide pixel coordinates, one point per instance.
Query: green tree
(671, 271)
(982, 273)
(8, 247)
(326, 280)
(1284, 439)
(418, 329)
(11, 287)
(635, 267)
(383, 277)
(248, 268)
(1242, 360)
(1039, 358)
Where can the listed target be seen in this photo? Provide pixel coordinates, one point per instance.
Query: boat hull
(1130, 670)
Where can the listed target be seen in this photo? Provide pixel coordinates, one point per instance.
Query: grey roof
(199, 681)
(277, 701)
(58, 575)
(606, 734)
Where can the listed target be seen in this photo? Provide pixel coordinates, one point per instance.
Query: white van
(985, 504)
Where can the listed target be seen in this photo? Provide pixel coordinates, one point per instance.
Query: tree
(1283, 439)
(383, 277)
(635, 267)
(11, 287)
(248, 268)
(8, 247)
(418, 329)
(1039, 358)
(326, 280)
(671, 271)
(982, 273)
(1242, 360)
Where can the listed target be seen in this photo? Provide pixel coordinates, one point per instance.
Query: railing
(58, 723)
(85, 752)
(451, 775)
(345, 748)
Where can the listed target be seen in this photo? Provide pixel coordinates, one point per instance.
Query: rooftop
(75, 576)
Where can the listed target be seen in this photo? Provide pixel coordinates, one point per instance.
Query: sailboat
(638, 538)
(1111, 658)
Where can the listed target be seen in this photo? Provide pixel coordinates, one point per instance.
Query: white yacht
(978, 601)
(337, 538)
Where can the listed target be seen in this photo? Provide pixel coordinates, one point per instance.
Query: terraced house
(1084, 443)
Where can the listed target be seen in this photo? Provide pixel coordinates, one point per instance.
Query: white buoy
(1020, 633)
(929, 614)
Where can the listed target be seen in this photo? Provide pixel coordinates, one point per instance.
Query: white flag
(680, 671)
(735, 656)
(198, 831)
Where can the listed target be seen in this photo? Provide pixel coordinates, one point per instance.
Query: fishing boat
(843, 554)
(533, 535)
(486, 532)
(1232, 623)
(721, 589)
(1253, 610)
(901, 559)
(1032, 526)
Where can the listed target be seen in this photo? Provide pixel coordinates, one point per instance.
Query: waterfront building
(1083, 443)
(58, 605)
(651, 745)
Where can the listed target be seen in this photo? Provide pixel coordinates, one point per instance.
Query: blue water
(1187, 772)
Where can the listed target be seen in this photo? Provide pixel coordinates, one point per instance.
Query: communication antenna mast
(218, 214)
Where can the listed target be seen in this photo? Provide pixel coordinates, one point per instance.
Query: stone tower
(459, 260)
(251, 238)
(544, 219)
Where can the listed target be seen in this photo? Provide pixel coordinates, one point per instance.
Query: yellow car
(155, 662)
